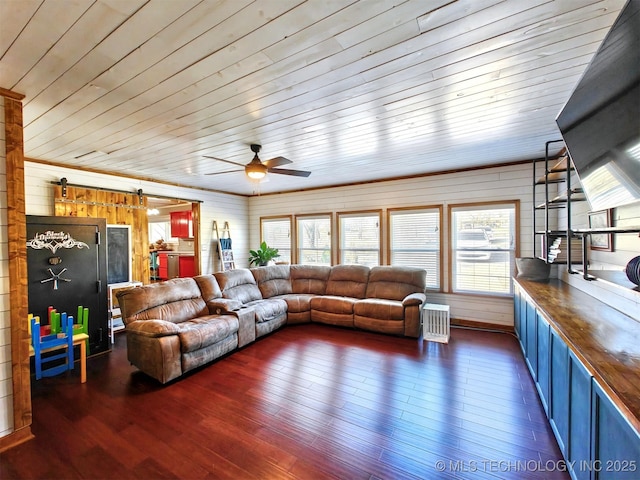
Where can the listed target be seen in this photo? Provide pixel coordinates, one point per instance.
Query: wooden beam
(17, 250)
(11, 94)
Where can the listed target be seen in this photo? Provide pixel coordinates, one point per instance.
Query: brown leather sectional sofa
(177, 325)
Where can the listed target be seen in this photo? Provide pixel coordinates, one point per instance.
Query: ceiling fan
(257, 169)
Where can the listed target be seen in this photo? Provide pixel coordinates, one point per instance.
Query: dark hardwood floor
(308, 401)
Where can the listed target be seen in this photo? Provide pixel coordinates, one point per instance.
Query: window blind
(415, 241)
(360, 239)
(277, 233)
(314, 240)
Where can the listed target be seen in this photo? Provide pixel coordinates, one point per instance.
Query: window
(160, 231)
(414, 240)
(360, 238)
(483, 248)
(314, 240)
(277, 233)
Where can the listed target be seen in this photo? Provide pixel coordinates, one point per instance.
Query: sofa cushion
(333, 304)
(395, 283)
(175, 300)
(238, 285)
(212, 295)
(204, 331)
(379, 308)
(333, 310)
(272, 280)
(298, 302)
(153, 328)
(348, 281)
(309, 278)
(268, 309)
(209, 287)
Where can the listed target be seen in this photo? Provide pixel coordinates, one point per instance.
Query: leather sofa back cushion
(272, 280)
(175, 300)
(238, 285)
(348, 281)
(208, 287)
(309, 278)
(395, 283)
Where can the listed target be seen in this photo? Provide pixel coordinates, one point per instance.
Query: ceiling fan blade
(293, 173)
(227, 171)
(276, 162)
(225, 161)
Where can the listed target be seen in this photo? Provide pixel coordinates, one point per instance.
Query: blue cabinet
(579, 448)
(559, 393)
(522, 313)
(616, 444)
(517, 326)
(544, 361)
(532, 340)
(593, 434)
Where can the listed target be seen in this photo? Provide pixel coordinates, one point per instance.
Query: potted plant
(263, 255)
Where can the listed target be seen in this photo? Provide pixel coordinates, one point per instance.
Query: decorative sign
(53, 241)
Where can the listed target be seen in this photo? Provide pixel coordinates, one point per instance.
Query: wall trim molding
(15, 438)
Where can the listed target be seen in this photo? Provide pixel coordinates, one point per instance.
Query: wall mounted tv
(600, 123)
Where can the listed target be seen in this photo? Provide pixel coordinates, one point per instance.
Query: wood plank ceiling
(349, 90)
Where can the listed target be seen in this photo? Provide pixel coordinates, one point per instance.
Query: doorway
(173, 226)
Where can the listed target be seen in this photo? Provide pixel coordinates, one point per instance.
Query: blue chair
(44, 347)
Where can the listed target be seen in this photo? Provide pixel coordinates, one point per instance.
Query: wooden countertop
(604, 339)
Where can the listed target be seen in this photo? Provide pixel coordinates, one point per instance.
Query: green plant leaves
(263, 255)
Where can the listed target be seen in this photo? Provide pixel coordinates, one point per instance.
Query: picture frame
(601, 219)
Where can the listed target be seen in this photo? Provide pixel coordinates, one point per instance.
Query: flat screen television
(600, 123)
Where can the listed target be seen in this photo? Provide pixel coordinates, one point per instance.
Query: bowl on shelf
(534, 269)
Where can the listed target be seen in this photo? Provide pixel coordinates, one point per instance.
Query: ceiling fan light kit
(255, 169)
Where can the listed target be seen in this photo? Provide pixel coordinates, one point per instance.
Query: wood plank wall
(118, 209)
(504, 183)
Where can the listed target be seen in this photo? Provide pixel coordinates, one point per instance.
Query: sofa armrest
(414, 299)
(153, 328)
(223, 305)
